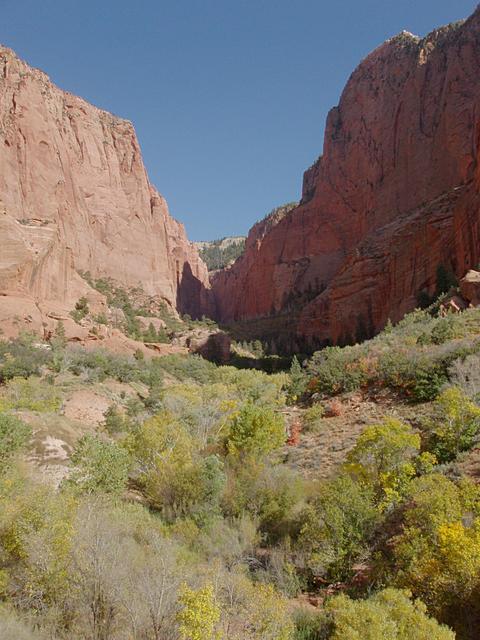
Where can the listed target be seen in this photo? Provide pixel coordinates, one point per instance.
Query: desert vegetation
(178, 515)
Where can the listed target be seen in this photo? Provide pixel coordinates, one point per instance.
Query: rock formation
(75, 197)
(393, 199)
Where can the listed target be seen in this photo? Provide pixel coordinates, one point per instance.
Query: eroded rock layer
(394, 197)
(75, 197)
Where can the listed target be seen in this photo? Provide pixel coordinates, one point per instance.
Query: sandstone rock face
(394, 197)
(75, 197)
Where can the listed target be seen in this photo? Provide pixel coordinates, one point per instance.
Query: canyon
(393, 199)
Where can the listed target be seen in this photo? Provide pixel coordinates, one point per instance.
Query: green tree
(298, 381)
(81, 309)
(176, 479)
(384, 458)
(337, 527)
(98, 465)
(14, 435)
(388, 615)
(445, 279)
(455, 425)
(255, 431)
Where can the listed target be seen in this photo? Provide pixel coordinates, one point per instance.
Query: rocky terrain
(393, 200)
(75, 198)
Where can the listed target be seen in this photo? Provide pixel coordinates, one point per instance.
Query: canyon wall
(394, 197)
(75, 197)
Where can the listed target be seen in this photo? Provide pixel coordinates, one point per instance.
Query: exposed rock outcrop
(75, 197)
(394, 197)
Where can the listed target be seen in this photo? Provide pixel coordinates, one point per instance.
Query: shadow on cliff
(193, 297)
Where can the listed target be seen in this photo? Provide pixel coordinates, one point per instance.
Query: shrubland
(179, 518)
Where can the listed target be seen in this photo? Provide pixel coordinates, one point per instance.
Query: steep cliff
(394, 197)
(75, 197)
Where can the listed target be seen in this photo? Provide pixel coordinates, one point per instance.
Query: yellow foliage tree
(199, 615)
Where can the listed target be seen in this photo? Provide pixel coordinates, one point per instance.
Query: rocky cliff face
(394, 197)
(75, 197)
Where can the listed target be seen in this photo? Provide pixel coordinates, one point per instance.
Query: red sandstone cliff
(75, 196)
(395, 195)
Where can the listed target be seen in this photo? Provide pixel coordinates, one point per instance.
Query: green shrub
(14, 435)
(100, 364)
(383, 458)
(312, 416)
(115, 421)
(464, 373)
(444, 330)
(23, 357)
(298, 382)
(336, 370)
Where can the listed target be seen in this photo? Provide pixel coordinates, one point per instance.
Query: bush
(336, 370)
(14, 628)
(100, 364)
(115, 421)
(175, 478)
(298, 382)
(383, 458)
(311, 626)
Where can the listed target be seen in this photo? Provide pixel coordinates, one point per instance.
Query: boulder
(470, 287)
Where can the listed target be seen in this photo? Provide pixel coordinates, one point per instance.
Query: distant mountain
(220, 253)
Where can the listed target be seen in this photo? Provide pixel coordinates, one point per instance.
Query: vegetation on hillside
(128, 307)
(218, 254)
(179, 519)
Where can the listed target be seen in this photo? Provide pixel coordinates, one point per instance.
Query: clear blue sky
(228, 97)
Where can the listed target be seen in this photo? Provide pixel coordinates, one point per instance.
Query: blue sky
(228, 97)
